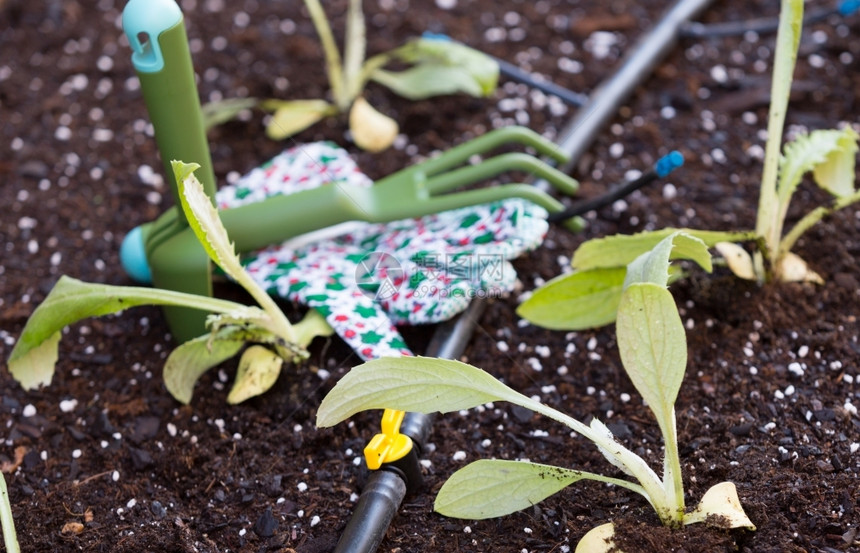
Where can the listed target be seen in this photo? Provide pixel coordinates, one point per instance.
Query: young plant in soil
(437, 67)
(7, 521)
(653, 350)
(591, 293)
(270, 337)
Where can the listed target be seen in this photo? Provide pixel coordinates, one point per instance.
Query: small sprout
(652, 343)
(232, 325)
(590, 294)
(435, 66)
(7, 521)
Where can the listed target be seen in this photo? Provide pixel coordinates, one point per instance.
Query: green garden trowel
(166, 252)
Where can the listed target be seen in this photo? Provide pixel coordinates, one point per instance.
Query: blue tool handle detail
(132, 257)
(847, 7)
(143, 21)
(156, 31)
(668, 163)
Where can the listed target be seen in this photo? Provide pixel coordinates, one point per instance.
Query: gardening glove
(366, 278)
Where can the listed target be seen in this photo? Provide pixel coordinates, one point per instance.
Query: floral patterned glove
(366, 278)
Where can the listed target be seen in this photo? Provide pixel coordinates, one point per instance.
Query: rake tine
(514, 161)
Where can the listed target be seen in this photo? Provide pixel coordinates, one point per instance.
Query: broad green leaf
(371, 130)
(217, 113)
(427, 385)
(440, 67)
(258, 371)
(424, 385)
(293, 116)
(722, 501)
(419, 384)
(740, 262)
(836, 174)
(653, 347)
(425, 81)
(72, 300)
(187, 363)
(35, 367)
(576, 301)
(653, 266)
(621, 249)
(598, 540)
(829, 153)
(493, 488)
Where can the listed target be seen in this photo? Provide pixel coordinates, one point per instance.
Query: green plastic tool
(167, 249)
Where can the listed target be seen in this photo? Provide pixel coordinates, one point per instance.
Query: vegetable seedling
(653, 350)
(7, 521)
(590, 295)
(436, 67)
(272, 338)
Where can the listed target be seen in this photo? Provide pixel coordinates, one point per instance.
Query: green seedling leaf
(576, 301)
(427, 385)
(7, 521)
(836, 174)
(355, 45)
(493, 488)
(34, 367)
(203, 219)
(187, 363)
(722, 501)
(440, 67)
(34, 356)
(589, 298)
(418, 384)
(371, 130)
(426, 81)
(218, 113)
(602, 430)
(598, 540)
(653, 346)
(294, 116)
(313, 324)
(258, 371)
(740, 262)
(621, 249)
(331, 52)
(770, 207)
(828, 153)
(653, 266)
(210, 232)
(423, 385)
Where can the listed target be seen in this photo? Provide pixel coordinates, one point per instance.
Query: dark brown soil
(770, 396)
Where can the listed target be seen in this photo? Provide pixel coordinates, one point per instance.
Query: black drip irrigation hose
(662, 168)
(763, 25)
(386, 487)
(688, 29)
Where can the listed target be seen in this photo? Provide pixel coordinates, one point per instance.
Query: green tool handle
(174, 108)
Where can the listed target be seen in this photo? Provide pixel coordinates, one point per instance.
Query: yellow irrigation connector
(390, 445)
